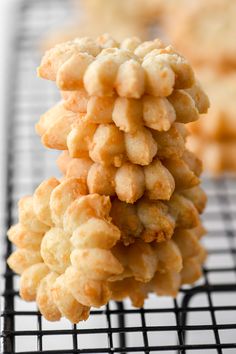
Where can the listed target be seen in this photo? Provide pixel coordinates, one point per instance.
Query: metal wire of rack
(202, 319)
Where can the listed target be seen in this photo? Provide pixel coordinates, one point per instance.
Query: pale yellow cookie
(116, 129)
(102, 71)
(204, 31)
(90, 252)
(130, 114)
(176, 262)
(217, 156)
(157, 183)
(219, 123)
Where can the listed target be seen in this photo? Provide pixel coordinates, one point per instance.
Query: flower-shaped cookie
(104, 67)
(72, 245)
(130, 182)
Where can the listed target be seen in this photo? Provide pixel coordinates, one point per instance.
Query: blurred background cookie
(220, 122)
(204, 31)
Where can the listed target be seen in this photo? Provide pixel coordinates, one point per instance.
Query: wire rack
(202, 319)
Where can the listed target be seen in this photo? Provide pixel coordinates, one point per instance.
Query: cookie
(111, 143)
(130, 182)
(178, 262)
(149, 67)
(140, 11)
(219, 124)
(204, 32)
(129, 114)
(90, 243)
(217, 156)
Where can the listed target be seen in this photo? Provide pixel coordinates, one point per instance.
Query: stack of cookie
(205, 32)
(124, 219)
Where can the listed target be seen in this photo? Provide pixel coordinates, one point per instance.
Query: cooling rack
(202, 319)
